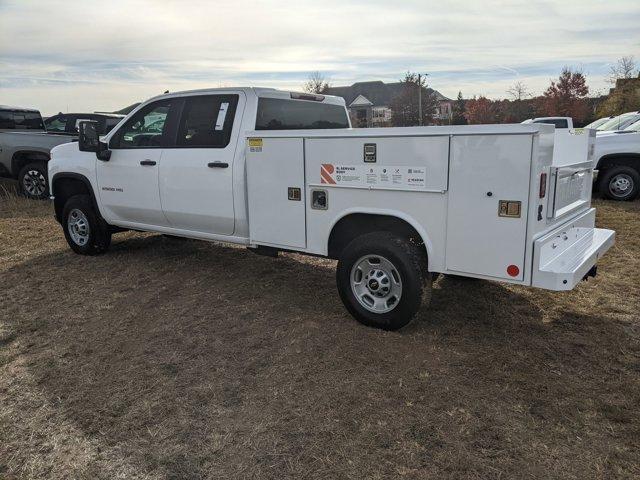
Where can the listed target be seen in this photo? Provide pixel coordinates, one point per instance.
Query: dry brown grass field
(168, 359)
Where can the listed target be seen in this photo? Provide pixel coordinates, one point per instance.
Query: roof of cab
(260, 92)
(18, 109)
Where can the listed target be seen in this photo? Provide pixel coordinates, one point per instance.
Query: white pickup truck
(281, 171)
(558, 122)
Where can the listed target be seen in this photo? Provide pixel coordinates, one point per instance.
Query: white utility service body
(447, 183)
(394, 205)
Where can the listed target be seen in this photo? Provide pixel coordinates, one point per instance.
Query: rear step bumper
(569, 254)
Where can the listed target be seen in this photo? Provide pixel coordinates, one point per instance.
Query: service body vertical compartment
(276, 192)
(486, 171)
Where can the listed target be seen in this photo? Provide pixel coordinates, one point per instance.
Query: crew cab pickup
(25, 143)
(280, 171)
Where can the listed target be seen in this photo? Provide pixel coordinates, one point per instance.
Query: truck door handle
(147, 162)
(217, 165)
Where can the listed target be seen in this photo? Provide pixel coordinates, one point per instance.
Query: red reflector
(543, 185)
(513, 270)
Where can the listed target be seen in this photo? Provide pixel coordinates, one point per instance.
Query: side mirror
(89, 140)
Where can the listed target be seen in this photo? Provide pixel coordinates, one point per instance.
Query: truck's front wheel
(620, 182)
(382, 280)
(85, 231)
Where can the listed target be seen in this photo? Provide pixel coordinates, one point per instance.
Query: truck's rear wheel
(620, 183)
(382, 279)
(32, 180)
(85, 231)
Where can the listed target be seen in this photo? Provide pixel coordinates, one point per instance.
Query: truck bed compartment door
(487, 205)
(276, 193)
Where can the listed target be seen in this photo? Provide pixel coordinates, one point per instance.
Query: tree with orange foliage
(566, 97)
(481, 110)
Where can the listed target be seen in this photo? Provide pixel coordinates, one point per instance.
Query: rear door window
(283, 114)
(207, 121)
(74, 124)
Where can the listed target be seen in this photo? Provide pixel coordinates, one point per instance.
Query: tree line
(566, 96)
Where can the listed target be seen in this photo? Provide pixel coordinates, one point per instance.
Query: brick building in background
(369, 103)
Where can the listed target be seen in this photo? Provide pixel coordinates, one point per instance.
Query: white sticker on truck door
(373, 176)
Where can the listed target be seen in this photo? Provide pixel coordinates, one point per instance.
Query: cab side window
(146, 129)
(207, 121)
(57, 124)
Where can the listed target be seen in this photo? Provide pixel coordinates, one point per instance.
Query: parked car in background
(597, 123)
(67, 123)
(559, 122)
(26, 140)
(620, 122)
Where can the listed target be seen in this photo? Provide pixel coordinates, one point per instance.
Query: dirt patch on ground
(187, 360)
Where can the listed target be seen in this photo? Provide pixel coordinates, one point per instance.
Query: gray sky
(96, 55)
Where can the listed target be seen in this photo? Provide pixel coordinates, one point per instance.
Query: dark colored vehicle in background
(26, 141)
(67, 123)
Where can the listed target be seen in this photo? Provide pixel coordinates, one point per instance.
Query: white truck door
(196, 174)
(488, 198)
(128, 182)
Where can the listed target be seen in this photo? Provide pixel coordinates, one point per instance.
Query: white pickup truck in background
(282, 171)
(617, 160)
(558, 122)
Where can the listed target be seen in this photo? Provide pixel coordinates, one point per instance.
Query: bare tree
(316, 83)
(625, 67)
(518, 91)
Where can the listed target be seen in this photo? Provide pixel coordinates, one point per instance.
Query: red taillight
(513, 270)
(543, 185)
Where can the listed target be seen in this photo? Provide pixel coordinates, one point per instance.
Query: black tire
(615, 177)
(33, 181)
(409, 262)
(96, 235)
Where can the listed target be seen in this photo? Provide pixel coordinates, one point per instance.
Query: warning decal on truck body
(255, 145)
(400, 177)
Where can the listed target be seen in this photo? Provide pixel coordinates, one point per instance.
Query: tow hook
(593, 271)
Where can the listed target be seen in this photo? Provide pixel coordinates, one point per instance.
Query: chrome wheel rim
(78, 227)
(621, 185)
(34, 183)
(376, 283)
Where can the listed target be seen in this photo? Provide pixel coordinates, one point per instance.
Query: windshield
(634, 127)
(598, 122)
(620, 122)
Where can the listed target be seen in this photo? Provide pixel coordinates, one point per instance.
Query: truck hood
(65, 149)
(617, 143)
